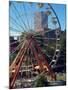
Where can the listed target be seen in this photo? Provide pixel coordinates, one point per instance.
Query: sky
(21, 16)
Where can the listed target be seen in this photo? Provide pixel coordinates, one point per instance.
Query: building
(41, 21)
(12, 40)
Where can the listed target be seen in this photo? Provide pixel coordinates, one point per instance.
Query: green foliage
(62, 58)
(63, 42)
(41, 82)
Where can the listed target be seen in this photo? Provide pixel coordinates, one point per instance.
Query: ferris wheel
(38, 48)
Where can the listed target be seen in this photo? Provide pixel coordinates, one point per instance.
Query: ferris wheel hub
(28, 36)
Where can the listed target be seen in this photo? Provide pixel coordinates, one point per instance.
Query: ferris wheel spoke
(49, 31)
(17, 20)
(24, 15)
(15, 49)
(20, 17)
(14, 29)
(42, 43)
(36, 34)
(45, 41)
(32, 19)
(16, 42)
(19, 52)
(17, 23)
(25, 12)
(46, 46)
(45, 38)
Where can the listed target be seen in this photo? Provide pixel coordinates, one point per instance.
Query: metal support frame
(44, 59)
(13, 78)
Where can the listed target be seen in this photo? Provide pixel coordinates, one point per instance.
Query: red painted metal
(19, 65)
(40, 63)
(13, 65)
(31, 44)
(44, 58)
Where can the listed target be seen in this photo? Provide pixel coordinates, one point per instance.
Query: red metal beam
(19, 65)
(40, 63)
(13, 65)
(21, 57)
(44, 58)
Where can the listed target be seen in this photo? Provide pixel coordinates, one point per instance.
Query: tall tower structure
(41, 21)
